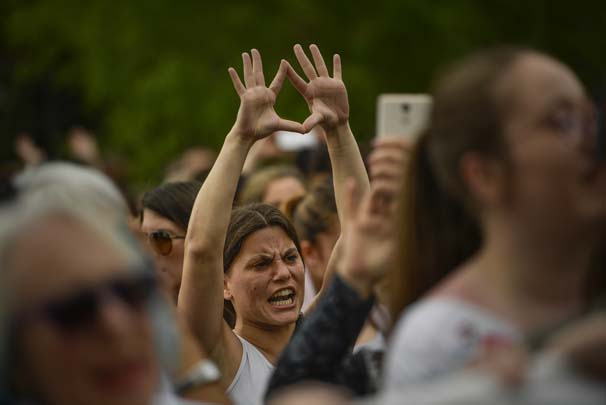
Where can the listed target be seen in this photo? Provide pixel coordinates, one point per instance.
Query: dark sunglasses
(81, 309)
(162, 241)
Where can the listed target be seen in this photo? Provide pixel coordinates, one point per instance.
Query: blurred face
(107, 358)
(169, 265)
(556, 179)
(318, 254)
(265, 281)
(281, 191)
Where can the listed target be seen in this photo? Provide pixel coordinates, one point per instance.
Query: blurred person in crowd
(69, 187)
(284, 147)
(79, 330)
(87, 334)
(569, 367)
(310, 393)
(164, 217)
(249, 260)
(264, 151)
(321, 348)
(316, 221)
(83, 148)
(314, 163)
(193, 165)
(273, 185)
(30, 153)
(510, 159)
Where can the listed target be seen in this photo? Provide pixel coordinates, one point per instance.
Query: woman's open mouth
(283, 298)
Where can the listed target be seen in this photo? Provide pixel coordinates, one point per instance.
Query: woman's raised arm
(329, 105)
(201, 294)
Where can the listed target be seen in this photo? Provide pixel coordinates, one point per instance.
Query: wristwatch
(204, 372)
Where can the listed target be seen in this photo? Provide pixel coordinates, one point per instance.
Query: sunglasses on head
(162, 241)
(81, 308)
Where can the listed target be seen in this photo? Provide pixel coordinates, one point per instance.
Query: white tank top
(250, 382)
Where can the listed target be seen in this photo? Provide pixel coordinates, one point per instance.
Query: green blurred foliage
(150, 77)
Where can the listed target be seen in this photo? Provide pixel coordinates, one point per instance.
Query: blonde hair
(255, 186)
(316, 212)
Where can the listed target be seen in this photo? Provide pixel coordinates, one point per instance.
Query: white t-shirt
(548, 380)
(440, 335)
(249, 384)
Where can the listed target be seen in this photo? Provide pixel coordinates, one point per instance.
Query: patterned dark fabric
(321, 348)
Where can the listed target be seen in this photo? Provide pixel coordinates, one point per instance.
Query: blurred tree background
(149, 78)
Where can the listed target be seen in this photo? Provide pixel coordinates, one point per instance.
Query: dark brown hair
(244, 222)
(468, 115)
(173, 201)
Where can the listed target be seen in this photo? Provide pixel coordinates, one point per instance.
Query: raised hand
(326, 96)
(370, 238)
(388, 160)
(257, 118)
(371, 243)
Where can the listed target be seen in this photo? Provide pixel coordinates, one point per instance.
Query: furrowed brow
(290, 251)
(259, 257)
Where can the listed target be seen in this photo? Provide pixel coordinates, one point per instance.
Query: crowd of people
(466, 265)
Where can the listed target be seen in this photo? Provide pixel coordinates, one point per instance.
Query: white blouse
(440, 335)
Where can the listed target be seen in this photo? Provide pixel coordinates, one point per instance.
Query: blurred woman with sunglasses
(79, 321)
(511, 158)
(250, 259)
(68, 323)
(164, 217)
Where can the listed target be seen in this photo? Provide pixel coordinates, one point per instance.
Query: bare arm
(201, 295)
(327, 100)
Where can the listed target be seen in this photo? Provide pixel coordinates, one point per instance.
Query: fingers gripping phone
(402, 114)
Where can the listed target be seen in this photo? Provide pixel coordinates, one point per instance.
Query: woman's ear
(484, 178)
(226, 290)
(310, 253)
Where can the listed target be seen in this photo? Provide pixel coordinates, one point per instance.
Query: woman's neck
(532, 281)
(270, 340)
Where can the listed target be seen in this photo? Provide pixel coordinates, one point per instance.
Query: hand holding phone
(404, 115)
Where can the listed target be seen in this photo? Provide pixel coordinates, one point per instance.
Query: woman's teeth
(287, 301)
(283, 297)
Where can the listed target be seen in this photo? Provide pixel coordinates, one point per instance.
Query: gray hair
(73, 185)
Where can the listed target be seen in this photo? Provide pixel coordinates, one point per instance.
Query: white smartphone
(402, 114)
